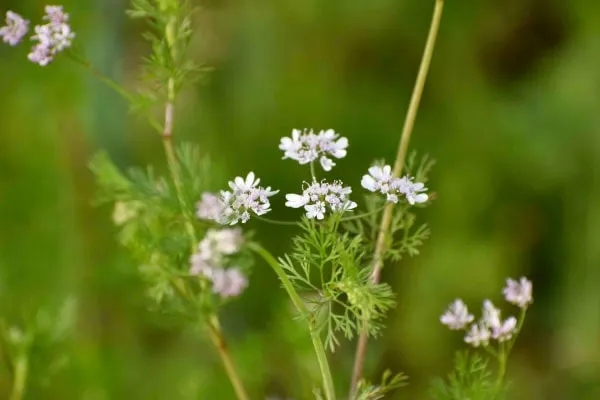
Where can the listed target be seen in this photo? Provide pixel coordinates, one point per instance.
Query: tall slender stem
(304, 312)
(212, 324)
(20, 377)
(502, 355)
(216, 335)
(386, 219)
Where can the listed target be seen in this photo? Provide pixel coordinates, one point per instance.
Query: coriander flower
(52, 37)
(306, 147)
(317, 197)
(478, 335)
(16, 27)
(229, 282)
(457, 315)
(223, 241)
(244, 198)
(518, 293)
(209, 207)
(505, 330)
(501, 330)
(380, 179)
(212, 254)
(491, 315)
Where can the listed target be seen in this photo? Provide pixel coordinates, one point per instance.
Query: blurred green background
(511, 113)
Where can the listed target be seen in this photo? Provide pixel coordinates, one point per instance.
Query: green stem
(502, 354)
(312, 171)
(304, 312)
(276, 222)
(512, 341)
(20, 377)
(216, 335)
(212, 323)
(359, 216)
(386, 219)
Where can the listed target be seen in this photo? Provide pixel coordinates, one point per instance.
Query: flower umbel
(317, 197)
(380, 179)
(212, 255)
(506, 330)
(244, 198)
(52, 37)
(518, 293)
(209, 207)
(16, 27)
(457, 315)
(478, 335)
(305, 147)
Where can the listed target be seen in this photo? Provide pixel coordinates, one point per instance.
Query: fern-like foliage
(169, 34)
(149, 215)
(329, 269)
(389, 382)
(471, 379)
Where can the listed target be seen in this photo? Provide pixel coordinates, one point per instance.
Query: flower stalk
(386, 219)
(212, 323)
(301, 307)
(21, 370)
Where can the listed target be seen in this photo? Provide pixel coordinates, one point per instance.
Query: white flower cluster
(490, 326)
(306, 146)
(317, 197)
(16, 28)
(52, 37)
(245, 197)
(211, 255)
(380, 179)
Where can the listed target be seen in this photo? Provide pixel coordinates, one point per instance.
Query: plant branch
(212, 322)
(399, 163)
(216, 335)
(21, 369)
(304, 312)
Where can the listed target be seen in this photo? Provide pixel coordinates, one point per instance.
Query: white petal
(295, 200)
(421, 198)
(369, 183)
(326, 163)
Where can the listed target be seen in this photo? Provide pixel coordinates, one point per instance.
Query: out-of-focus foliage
(510, 114)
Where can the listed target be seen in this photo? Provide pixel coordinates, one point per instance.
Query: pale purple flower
(212, 255)
(491, 315)
(225, 241)
(317, 197)
(505, 330)
(229, 282)
(245, 198)
(305, 147)
(200, 264)
(478, 335)
(518, 293)
(209, 207)
(501, 330)
(52, 37)
(380, 179)
(413, 192)
(16, 28)
(457, 315)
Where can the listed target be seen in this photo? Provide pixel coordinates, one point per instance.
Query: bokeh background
(511, 113)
